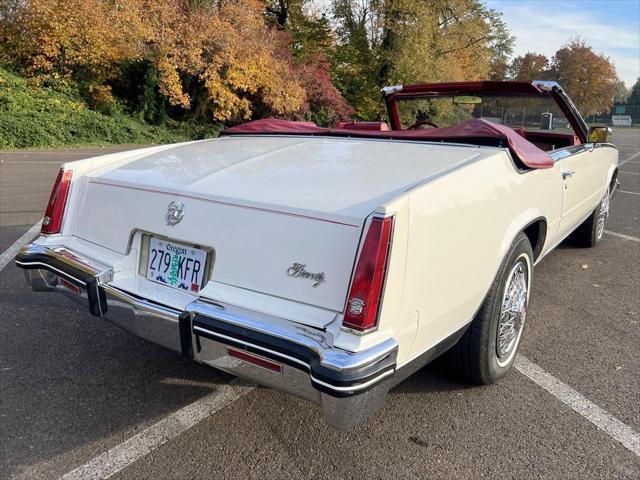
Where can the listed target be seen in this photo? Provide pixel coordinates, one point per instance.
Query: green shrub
(37, 116)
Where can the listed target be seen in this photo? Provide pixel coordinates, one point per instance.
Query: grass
(32, 116)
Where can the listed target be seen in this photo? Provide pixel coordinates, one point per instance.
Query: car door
(582, 170)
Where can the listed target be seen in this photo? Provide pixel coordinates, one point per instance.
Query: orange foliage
(589, 78)
(64, 35)
(225, 46)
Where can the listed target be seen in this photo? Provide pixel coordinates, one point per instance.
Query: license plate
(175, 265)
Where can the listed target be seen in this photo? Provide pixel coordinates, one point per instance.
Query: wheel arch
(535, 229)
(533, 223)
(613, 177)
(536, 232)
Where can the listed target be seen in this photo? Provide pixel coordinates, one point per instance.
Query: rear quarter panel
(460, 227)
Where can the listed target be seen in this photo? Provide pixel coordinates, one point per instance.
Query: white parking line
(606, 422)
(112, 461)
(628, 173)
(630, 193)
(622, 235)
(628, 159)
(119, 457)
(9, 253)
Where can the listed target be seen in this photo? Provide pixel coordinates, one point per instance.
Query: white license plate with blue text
(175, 265)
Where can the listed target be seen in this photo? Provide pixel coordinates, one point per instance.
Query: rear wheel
(488, 348)
(589, 234)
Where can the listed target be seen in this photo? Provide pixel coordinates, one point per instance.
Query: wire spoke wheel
(513, 312)
(603, 213)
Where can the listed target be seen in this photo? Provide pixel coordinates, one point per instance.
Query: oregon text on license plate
(176, 265)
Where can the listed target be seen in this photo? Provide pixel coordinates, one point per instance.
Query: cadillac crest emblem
(175, 213)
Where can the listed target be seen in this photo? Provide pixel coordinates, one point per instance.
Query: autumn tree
(312, 44)
(589, 78)
(220, 52)
(499, 70)
(406, 41)
(530, 66)
(83, 39)
(437, 41)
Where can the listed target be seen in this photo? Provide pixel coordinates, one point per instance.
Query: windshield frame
(512, 89)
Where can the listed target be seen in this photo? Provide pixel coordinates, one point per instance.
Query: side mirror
(599, 134)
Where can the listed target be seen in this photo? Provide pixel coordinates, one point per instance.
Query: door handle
(567, 174)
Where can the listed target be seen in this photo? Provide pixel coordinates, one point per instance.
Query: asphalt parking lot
(79, 396)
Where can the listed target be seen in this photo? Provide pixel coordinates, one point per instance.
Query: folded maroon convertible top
(474, 131)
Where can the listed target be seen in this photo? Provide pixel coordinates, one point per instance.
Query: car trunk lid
(284, 215)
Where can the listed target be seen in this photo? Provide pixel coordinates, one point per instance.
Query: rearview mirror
(467, 100)
(599, 134)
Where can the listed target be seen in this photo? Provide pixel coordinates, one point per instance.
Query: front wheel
(488, 348)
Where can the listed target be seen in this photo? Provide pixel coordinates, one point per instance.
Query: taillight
(52, 222)
(363, 302)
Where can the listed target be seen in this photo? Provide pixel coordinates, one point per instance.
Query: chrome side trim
(562, 153)
(565, 152)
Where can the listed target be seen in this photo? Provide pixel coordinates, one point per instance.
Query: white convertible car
(333, 263)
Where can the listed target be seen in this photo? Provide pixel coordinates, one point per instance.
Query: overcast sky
(611, 27)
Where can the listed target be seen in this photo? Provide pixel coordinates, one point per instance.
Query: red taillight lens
(363, 302)
(52, 221)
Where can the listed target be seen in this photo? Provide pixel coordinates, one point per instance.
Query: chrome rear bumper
(349, 386)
